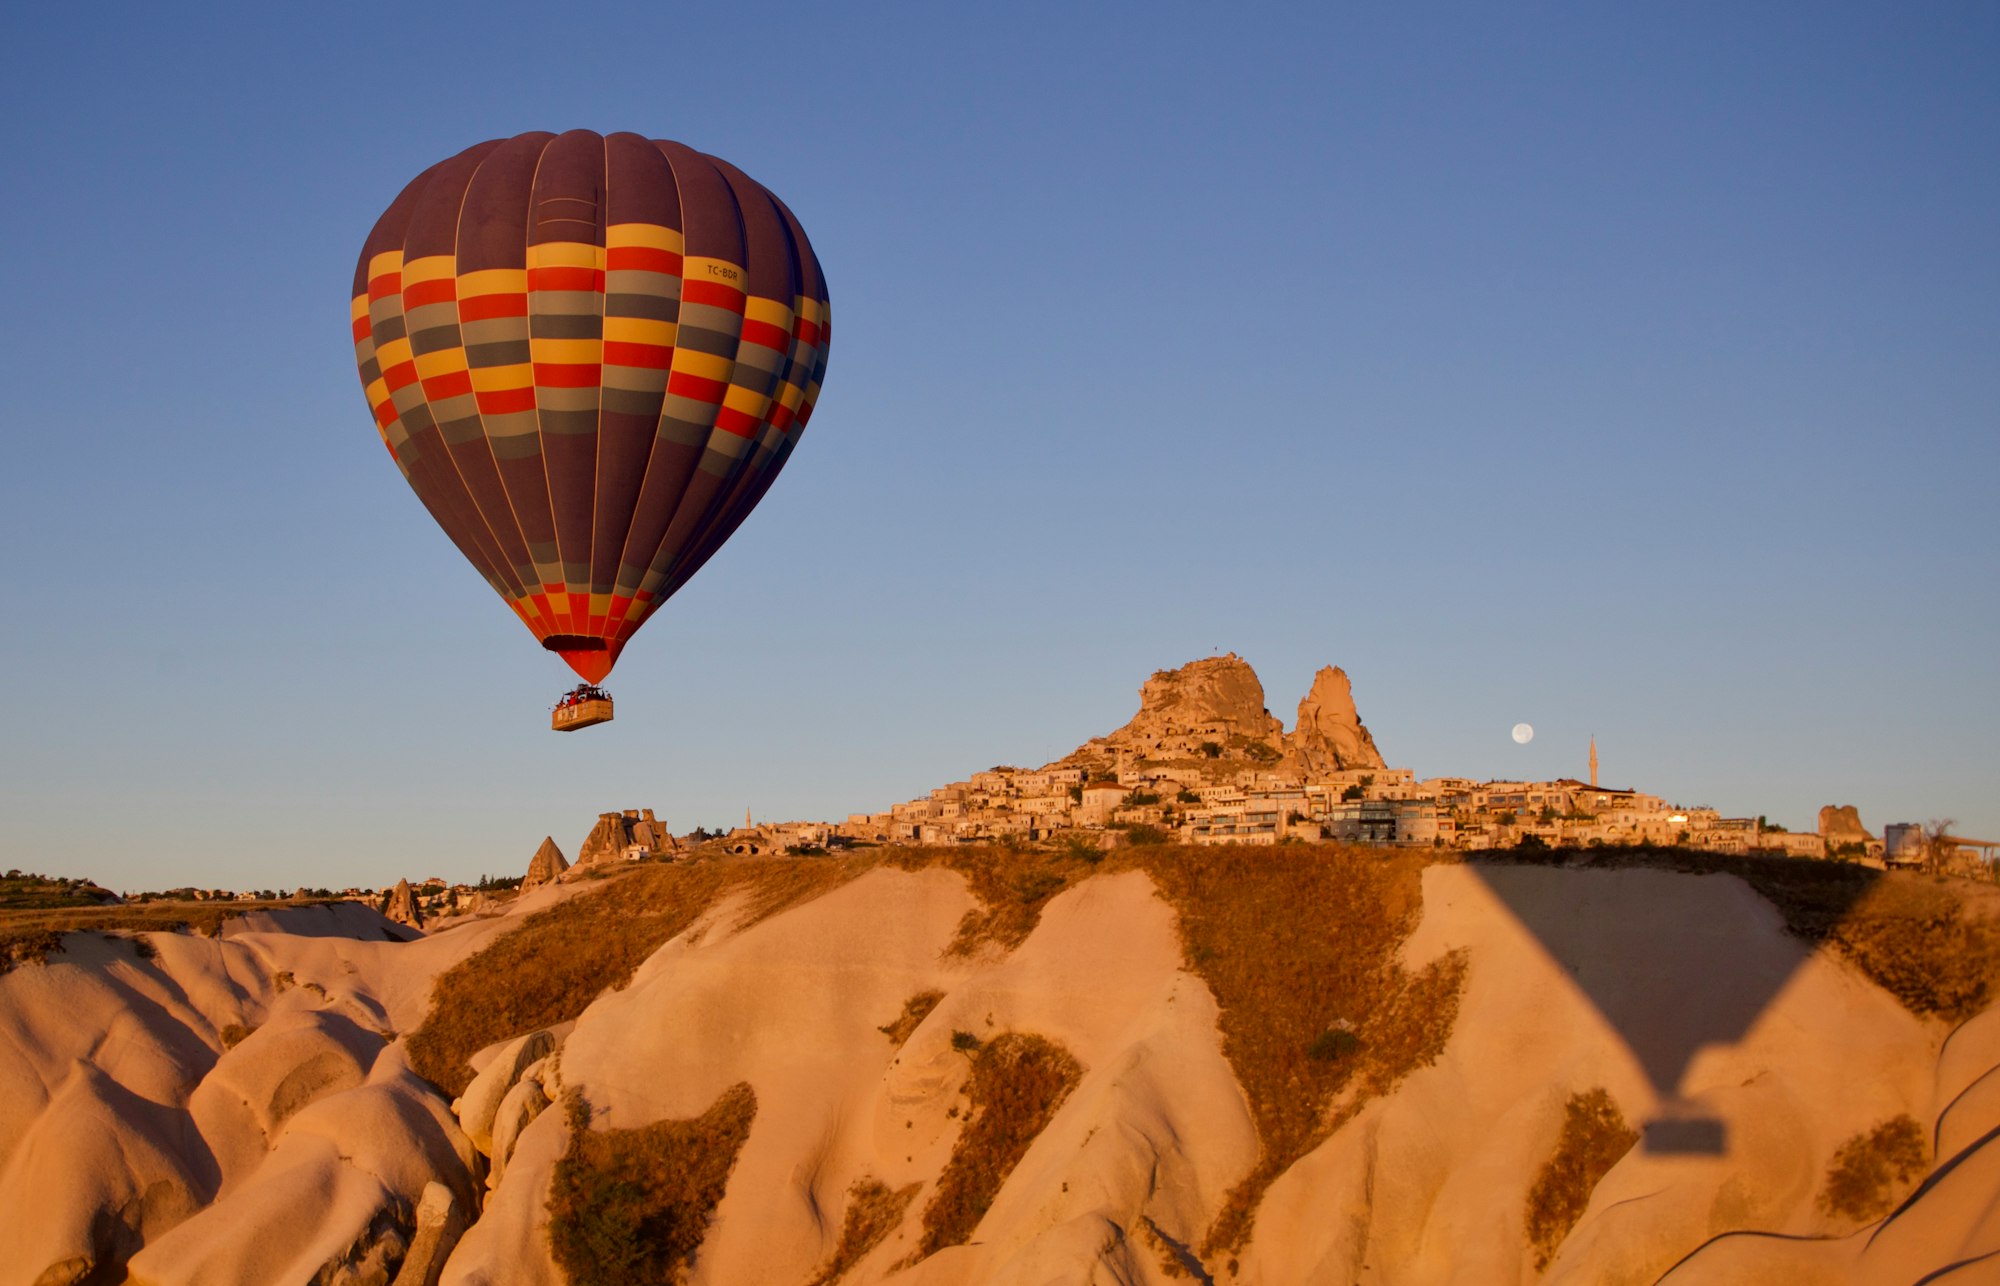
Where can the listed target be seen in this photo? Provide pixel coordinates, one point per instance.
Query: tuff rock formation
(1213, 710)
(402, 906)
(617, 834)
(1329, 735)
(605, 843)
(1217, 701)
(1841, 824)
(546, 867)
(145, 1137)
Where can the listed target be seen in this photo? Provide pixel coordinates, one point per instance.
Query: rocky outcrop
(1841, 824)
(1212, 711)
(402, 906)
(1329, 735)
(1209, 708)
(546, 867)
(605, 843)
(439, 1224)
(617, 836)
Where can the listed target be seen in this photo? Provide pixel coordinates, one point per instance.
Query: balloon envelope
(589, 356)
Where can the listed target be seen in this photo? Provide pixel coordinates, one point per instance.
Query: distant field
(28, 891)
(32, 932)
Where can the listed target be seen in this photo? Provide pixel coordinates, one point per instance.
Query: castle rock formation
(1841, 824)
(634, 832)
(1213, 710)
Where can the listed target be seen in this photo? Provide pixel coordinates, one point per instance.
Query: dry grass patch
(1594, 1137)
(1012, 885)
(564, 956)
(873, 1212)
(1874, 1170)
(915, 1010)
(1018, 1083)
(1299, 946)
(559, 960)
(633, 1205)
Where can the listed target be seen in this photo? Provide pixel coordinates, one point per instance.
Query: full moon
(1524, 733)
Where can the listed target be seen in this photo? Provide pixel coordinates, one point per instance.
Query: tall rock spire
(546, 867)
(1329, 735)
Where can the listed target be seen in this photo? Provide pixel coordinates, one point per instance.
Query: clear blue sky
(1625, 369)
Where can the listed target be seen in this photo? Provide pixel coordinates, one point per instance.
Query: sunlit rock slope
(1276, 1066)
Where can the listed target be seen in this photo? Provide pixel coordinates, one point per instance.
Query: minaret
(746, 811)
(1593, 760)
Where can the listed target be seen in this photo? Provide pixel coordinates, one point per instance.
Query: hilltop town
(1205, 762)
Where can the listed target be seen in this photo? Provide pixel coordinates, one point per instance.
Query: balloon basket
(581, 714)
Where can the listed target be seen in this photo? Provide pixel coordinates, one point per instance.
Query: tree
(1939, 846)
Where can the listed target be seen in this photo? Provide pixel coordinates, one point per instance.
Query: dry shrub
(235, 1034)
(1594, 1136)
(1018, 1082)
(1874, 1170)
(1297, 943)
(563, 957)
(633, 1205)
(1919, 942)
(28, 946)
(915, 1010)
(873, 1211)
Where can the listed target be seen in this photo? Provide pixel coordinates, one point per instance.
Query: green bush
(1332, 1044)
(1082, 848)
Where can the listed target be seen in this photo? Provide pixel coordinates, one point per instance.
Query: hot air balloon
(590, 355)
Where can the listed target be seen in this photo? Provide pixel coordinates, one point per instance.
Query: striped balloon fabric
(590, 355)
